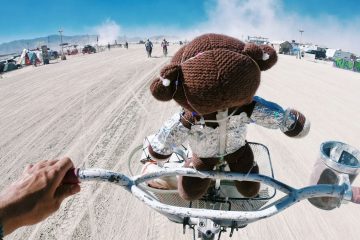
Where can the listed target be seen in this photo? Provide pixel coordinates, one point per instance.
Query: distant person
(164, 45)
(109, 46)
(36, 195)
(148, 47)
(126, 45)
(2, 66)
(34, 62)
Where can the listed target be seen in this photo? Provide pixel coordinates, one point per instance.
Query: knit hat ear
(264, 55)
(164, 87)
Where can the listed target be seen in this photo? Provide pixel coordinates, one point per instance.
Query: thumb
(66, 190)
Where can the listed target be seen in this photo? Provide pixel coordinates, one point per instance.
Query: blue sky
(23, 19)
(79, 16)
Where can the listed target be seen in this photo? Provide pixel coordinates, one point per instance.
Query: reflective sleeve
(171, 135)
(271, 115)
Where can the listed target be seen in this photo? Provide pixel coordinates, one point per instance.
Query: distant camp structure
(257, 40)
(29, 58)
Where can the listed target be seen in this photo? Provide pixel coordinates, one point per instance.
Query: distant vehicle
(8, 65)
(88, 49)
(72, 51)
(318, 54)
(2, 66)
(11, 61)
(53, 55)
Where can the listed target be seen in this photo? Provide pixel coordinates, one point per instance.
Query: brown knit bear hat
(213, 72)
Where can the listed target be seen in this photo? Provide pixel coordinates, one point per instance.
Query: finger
(39, 165)
(28, 169)
(52, 162)
(66, 190)
(356, 195)
(62, 167)
(44, 163)
(49, 163)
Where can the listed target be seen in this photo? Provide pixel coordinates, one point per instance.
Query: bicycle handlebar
(292, 195)
(74, 175)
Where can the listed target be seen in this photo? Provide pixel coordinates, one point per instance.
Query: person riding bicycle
(164, 45)
(148, 47)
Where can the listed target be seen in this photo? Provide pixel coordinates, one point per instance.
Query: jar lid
(341, 157)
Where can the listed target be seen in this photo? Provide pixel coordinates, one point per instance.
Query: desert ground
(96, 108)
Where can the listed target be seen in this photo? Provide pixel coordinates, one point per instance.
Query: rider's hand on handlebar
(36, 195)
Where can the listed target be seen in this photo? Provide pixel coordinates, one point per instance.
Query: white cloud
(268, 18)
(108, 32)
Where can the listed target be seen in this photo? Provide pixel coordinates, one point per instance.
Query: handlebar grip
(71, 176)
(356, 195)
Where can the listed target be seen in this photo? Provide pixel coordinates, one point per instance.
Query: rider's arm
(270, 115)
(171, 135)
(35, 195)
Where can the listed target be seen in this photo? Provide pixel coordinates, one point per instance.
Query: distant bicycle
(148, 47)
(164, 45)
(165, 51)
(149, 50)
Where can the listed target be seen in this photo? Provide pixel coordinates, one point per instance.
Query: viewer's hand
(356, 195)
(36, 194)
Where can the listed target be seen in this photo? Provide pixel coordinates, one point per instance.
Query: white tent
(21, 60)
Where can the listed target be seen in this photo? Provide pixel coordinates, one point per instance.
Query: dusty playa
(96, 109)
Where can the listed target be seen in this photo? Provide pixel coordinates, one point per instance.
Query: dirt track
(96, 108)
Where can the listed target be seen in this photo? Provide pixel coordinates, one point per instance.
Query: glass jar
(337, 161)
